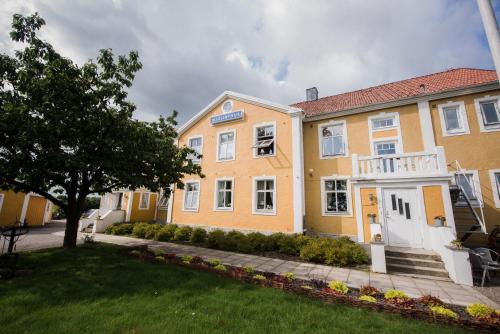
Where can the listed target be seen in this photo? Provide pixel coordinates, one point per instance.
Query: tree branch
(45, 194)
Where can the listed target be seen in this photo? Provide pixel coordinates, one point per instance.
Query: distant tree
(68, 129)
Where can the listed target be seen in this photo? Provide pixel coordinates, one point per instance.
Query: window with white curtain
(333, 140)
(265, 196)
(224, 195)
(191, 196)
(195, 144)
(226, 146)
(144, 201)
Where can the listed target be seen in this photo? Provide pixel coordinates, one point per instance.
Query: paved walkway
(449, 292)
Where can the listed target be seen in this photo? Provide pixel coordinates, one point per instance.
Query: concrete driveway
(49, 236)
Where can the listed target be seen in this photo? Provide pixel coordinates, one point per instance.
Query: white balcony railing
(400, 165)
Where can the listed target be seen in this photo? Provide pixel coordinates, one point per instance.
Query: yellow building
(399, 160)
(20, 207)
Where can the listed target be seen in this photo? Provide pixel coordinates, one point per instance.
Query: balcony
(418, 164)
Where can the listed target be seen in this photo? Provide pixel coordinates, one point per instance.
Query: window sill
(190, 210)
(264, 156)
(451, 134)
(225, 160)
(223, 209)
(334, 157)
(264, 213)
(490, 128)
(331, 214)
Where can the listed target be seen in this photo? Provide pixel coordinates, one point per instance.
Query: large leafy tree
(68, 129)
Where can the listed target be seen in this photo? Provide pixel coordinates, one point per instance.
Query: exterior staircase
(415, 263)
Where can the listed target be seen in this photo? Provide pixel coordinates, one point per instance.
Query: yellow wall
(476, 151)
(242, 169)
(433, 201)
(10, 211)
(161, 215)
(143, 215)
(358, 142)
(36, 210)
(368, 207)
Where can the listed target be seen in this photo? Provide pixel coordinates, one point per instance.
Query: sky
(192, 51)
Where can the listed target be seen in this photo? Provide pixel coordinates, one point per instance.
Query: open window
(265, 140)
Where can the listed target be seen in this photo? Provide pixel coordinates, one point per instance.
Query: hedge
(337, 252)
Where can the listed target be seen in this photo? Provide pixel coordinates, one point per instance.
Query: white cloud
(192, 51)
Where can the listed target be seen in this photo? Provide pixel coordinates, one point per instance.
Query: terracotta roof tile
(434, 83)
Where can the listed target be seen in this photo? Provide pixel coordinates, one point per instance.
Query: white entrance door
(401, 218)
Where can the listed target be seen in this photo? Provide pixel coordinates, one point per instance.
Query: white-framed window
(453, 117)
(385, 147)
(469, 182)
(264, 195)
(333, 139)
(495, 186)
(335, 196)
(227, 106)
(144, 200)
(195, 143)
(226, 144)
(1, 201)
(383, 123)
(488, 113)
(191, 196)
(224, 192)
(265, 140)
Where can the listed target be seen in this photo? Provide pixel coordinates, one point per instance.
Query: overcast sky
(193, 50)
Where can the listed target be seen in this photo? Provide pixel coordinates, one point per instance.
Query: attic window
(227, 106)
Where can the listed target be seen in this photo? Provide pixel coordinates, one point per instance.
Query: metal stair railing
(479, 218)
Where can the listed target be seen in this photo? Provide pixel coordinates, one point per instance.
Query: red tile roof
(434, 83)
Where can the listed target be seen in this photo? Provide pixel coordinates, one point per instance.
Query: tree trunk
(71, 231)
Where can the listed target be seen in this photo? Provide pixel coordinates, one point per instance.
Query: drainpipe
(491, 29)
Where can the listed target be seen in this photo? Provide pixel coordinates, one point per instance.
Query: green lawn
(97, 290)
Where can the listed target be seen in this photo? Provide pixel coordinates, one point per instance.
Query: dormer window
(265, 140)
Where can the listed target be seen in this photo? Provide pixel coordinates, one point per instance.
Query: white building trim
(197, 199)
(219, 133)
(216, 194)
(254, 196)
(495, 187)
(240, 97)
(424, 114)
(254, 140)
(348, 193)
(398, 138)
(344, 136)
(129, 206)
(2, 196)
(25, 206)
(359, 213)
(479, 114)
(298, 173)
(462, 118)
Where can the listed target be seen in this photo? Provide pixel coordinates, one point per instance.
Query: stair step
(414, 262)
(400, 268)
(409, 255)
(434, 278)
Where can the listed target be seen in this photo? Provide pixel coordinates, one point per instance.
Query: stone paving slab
(414, 287)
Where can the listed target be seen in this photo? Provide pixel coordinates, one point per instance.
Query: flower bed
(427, 308)
(336, 252)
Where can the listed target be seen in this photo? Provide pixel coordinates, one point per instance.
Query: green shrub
(289, 276)
(187, 259)
(152, 230)
(183, 233)
(220, 267)
(237, 241)
(393, 294)
(216, 239)
(367, 298)
(338, 252)
(339, 287)
(249, 269)
(198, 236)
(159, 258)
(159, 252)
(314, 250)
(287, 244)
(119, 229)
(441, 310)
(139, 229)
(166, 233)
(302, 240)
(259, 277)
(214, 262)
(477, 310)
(260, 242)
(275, 240)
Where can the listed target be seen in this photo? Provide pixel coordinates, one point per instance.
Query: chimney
(423, 89)
(311, 94)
